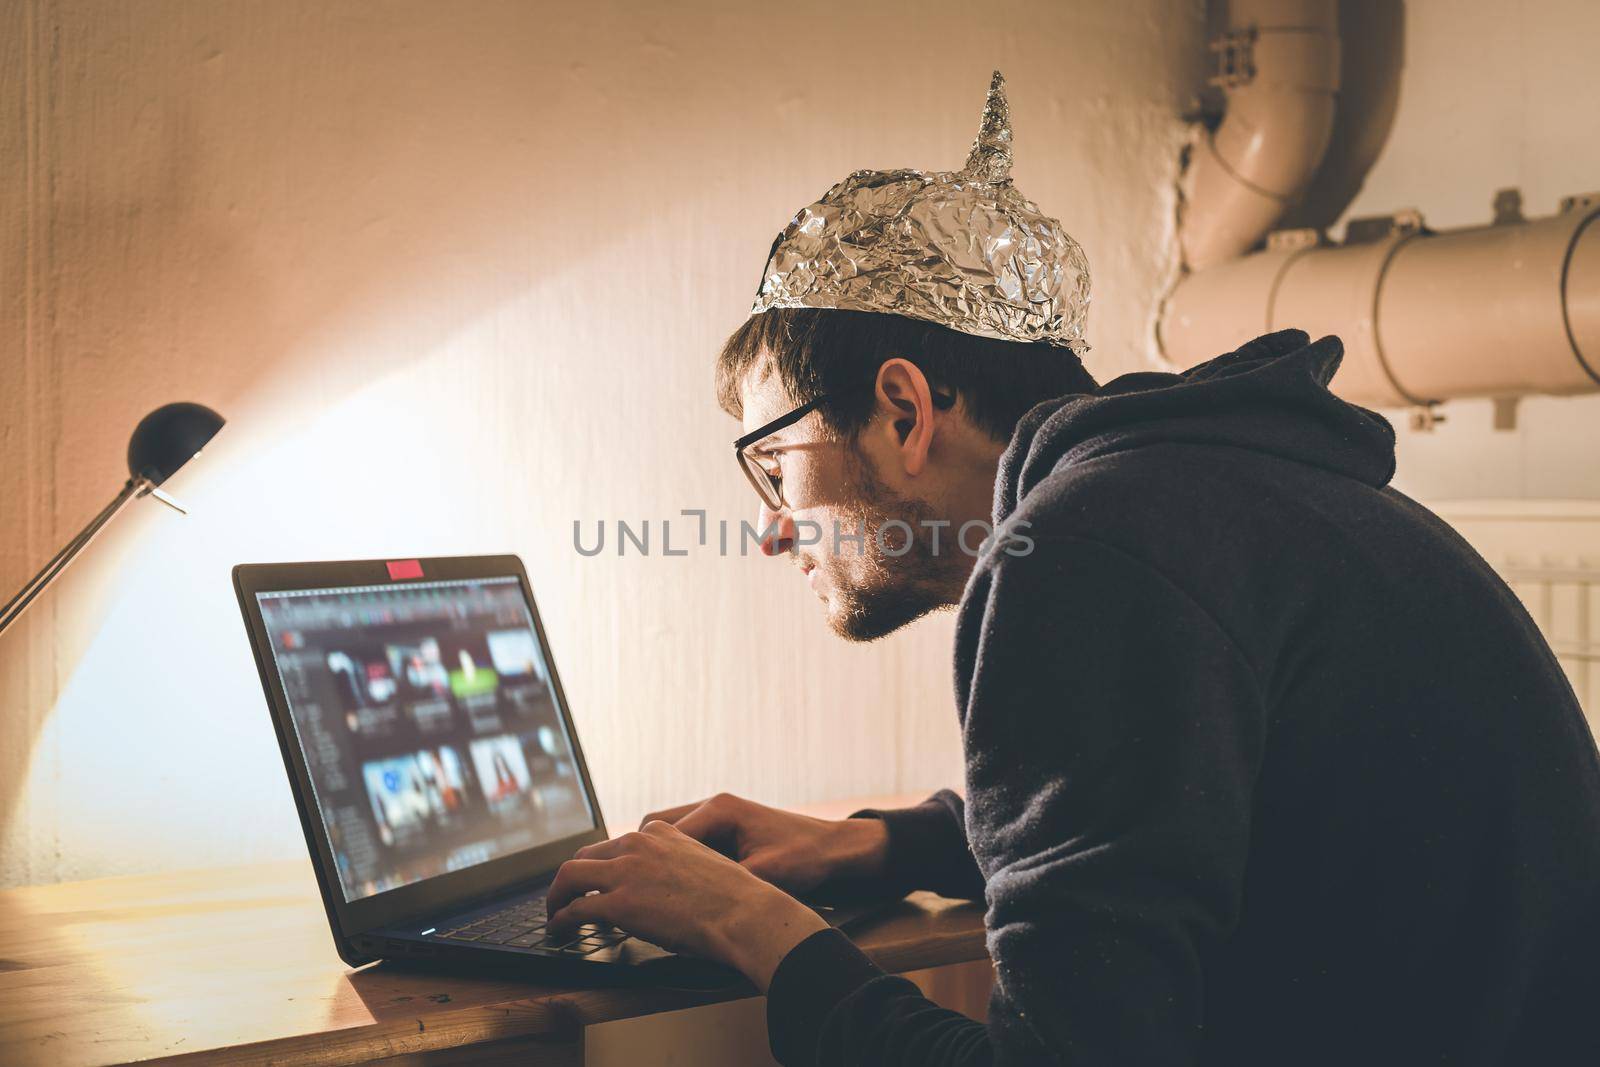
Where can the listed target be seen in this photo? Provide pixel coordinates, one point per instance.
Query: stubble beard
(877, 589)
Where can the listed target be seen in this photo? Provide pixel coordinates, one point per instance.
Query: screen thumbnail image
(419, 668)
(362, 681)
(412, 792)
(515, 654)
(468, 664)
(502, 771)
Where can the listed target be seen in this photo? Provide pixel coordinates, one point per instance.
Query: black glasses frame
(768, 488)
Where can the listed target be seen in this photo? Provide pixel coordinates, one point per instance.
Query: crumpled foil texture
(960, 248)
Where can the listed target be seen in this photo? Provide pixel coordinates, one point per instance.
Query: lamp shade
(169, 437)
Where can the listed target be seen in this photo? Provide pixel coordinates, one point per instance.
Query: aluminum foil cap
(960, 248)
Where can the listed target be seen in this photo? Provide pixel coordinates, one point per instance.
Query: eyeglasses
(768, 480)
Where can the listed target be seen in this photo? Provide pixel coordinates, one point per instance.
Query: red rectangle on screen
(404, 568)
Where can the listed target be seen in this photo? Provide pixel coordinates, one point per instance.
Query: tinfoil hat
(963, 249)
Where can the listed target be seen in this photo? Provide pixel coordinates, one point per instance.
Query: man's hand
(669, 888)
(793, 851)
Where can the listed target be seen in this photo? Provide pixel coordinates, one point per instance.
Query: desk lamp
(164, 441)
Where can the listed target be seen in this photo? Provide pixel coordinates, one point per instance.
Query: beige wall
(455, 272)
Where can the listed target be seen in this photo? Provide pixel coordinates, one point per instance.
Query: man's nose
(777, 531)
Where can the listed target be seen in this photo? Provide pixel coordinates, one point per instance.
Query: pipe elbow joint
(1273, 135)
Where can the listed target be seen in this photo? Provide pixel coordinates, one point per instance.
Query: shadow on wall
(1371, 59)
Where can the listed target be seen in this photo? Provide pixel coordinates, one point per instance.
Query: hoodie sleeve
(928, 848)
(1113, 732)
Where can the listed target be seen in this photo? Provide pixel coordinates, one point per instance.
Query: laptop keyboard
(523, 926)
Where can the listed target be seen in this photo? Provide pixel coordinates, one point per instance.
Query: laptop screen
(431, 731)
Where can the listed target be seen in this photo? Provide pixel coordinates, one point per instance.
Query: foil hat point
(990, 158)
(963, 249)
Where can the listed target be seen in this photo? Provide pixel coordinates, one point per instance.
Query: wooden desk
(237, 966)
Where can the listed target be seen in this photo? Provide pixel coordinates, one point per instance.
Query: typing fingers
(578, 877)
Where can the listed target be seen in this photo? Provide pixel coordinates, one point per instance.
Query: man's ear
(905, 400)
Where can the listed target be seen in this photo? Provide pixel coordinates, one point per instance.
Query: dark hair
(817, 351)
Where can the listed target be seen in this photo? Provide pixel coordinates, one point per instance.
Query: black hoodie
(1263, 763)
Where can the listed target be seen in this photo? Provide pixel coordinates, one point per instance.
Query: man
(1263, 763)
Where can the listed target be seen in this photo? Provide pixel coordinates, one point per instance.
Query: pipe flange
(1233, 58)
(1401, 228)
(1584, 269)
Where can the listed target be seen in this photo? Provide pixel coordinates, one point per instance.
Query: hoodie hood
(1269, 396)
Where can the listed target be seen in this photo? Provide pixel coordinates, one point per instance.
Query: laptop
(435, 765)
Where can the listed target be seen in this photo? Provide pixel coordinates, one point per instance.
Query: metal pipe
(1489, 311)
(1279, 70)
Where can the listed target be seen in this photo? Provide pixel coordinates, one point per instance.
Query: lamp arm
(19, 603)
